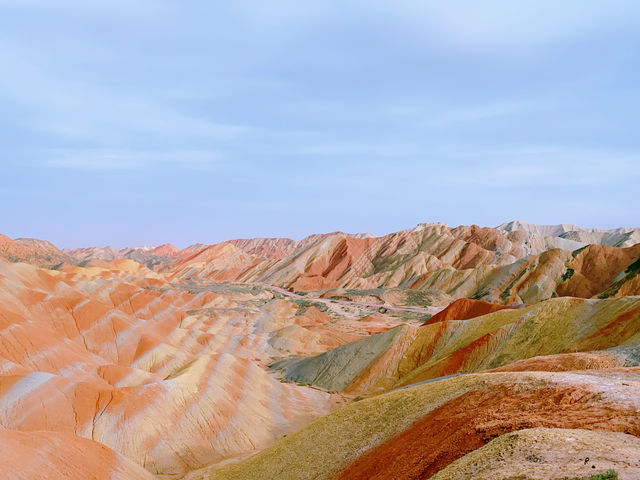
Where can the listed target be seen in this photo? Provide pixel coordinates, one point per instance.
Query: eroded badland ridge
(436, 352)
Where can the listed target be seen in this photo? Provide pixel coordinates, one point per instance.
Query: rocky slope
(434, 352)
(266, 248)
(543, 453)
(406, 356)
(170, 377)
(105, 354)
(153, 257)
(31, 250)
(55, 455)
(464, 309)
(490, 264)
(415, 433)
(617, 237)
(516, 262)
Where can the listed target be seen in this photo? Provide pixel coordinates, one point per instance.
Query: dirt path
(347, 303)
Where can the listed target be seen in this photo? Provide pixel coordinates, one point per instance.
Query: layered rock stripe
(168, 379)
(250, 358)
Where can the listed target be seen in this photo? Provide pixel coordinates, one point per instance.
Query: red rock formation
(467, 261)
(465, 308)
(31, 250)
(267, 248)
(473, 419)
(165, 250)
(55, 455)
(594, 268)
(94, 253)
(565, 362)
(165, 377)
(216, 263)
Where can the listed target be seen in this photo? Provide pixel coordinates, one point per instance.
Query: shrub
(608, 475)
(568, 274)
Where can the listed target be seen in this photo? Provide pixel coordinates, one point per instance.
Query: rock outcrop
(417, 432)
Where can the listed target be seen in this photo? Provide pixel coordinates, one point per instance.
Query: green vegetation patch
(575, 253)
(634, 268)
(302, 305)
(416, 297)
(321, 306)
(500, 360)
(363, 293)
(480, 293)
(608, 475)
(504, 296)
(631, 271)
(568, 274)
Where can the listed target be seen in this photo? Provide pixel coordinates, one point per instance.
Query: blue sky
(152, 121)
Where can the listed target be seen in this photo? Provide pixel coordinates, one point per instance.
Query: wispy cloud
(471, 114)
(359, 149)
(107, 160)
(504, 25)
(397, 112)
(98, 6)
(86, 111)
(546, 166)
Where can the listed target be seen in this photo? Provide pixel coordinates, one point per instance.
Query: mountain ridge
(413, 352)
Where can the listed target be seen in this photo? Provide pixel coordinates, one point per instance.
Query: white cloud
(130, 160)
(59, 104)
(97, 6)
(505, 24)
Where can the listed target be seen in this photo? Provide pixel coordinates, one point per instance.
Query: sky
(131, 123)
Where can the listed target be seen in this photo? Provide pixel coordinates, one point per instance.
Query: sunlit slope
(468, 261)
(415, 432)
(555, 326)
(544, 453)
(446, 347)
(501, 265)
(37, 252)
(169, 378)
(617, 237)
(464, 309)
(55, 455)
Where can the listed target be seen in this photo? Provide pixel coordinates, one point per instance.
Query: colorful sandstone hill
(435, 352)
